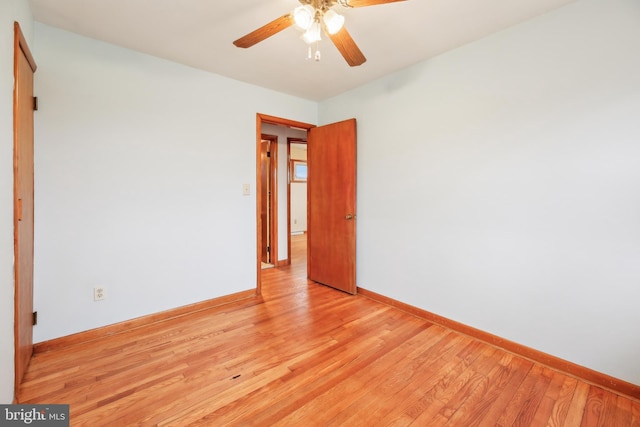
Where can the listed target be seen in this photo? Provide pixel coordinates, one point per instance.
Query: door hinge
(268, 249)
(268, 153)
(35, 103)
(35, 318)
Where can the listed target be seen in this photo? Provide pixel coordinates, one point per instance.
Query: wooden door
(23, 106)
(331, 192)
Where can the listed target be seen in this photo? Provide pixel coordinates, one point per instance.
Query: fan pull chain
(317, 56)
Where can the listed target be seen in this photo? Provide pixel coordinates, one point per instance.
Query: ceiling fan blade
(362, 3)
(347, 47)
(265, 31)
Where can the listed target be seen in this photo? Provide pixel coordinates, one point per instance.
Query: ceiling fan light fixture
(304, 16)
(312, 18)
(333, 21)
(313, 34)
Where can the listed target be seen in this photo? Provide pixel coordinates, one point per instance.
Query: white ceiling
(199, 33)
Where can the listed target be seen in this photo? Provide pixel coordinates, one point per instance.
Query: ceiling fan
(312, 17)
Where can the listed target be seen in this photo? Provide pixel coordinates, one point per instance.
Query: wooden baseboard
(127, 325)
(580, 372)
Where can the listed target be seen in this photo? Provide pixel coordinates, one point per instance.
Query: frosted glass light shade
(303, 16)
(313, 33)
(333, 21)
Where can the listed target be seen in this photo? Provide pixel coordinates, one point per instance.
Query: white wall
(139, 170)
(499, 184)
(10, 11)
(283, 132)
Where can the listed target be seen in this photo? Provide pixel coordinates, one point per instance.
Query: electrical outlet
(99, 294)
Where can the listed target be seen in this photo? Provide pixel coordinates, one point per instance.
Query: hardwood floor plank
(415, 395)
(471, 392)
(305, 354)
(561, 405)
(635, 414)
(454, 381)
(524, 398)
(401, 381)
(532, 403)
(344, 372)
(545, 408)
(377, 337)
(196, 407)
(476, 406)
(622, 415)
(256, 371)
(521, 369)
(578, 403)
(367, 388)
(308, 375)
(593, 407)
(280, 398)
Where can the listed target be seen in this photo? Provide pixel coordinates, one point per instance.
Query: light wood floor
(308, 355)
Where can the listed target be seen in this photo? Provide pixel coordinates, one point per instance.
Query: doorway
(331, 201)
(269, 200)
(297, 196)
(261, 191)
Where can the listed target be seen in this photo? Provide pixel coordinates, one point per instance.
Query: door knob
(348, 217)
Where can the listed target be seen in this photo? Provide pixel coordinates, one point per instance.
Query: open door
(331, 190)
(23, 106)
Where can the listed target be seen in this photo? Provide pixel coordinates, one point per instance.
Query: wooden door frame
(290, 141)
(272, 202)
(278, 121)
(20, 48)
